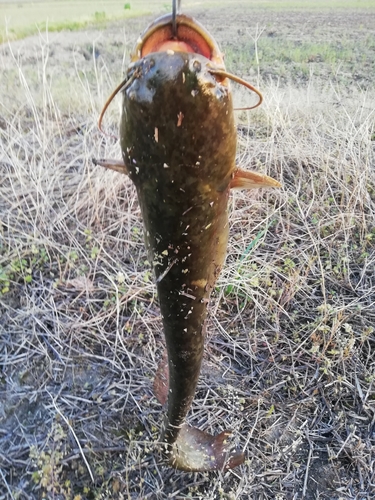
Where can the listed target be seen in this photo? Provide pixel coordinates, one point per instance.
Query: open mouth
(190, 37)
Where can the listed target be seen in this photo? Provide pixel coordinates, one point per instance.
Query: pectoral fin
(247, 179)
(116, 165)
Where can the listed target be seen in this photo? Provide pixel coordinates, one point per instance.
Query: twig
(6, 484)
(307, 466)
(75, 437)
(76, 453)
(258, 33)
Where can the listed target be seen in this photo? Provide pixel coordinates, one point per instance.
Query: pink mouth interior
(187, 40)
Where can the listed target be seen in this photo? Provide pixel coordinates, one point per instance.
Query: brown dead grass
(290, 355)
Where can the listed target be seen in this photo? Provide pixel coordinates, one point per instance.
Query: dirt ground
(292, 375)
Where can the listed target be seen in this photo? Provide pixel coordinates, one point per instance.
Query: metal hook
(176, 5)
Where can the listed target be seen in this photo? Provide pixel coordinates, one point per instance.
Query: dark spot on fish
(151, 84)
(197, 66)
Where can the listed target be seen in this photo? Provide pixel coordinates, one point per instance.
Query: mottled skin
(178, 143)
(178, 140)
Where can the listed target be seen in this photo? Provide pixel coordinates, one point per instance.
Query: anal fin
(161, 381)
(248, 179)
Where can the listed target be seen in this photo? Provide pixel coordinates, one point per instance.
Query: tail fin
(195, 450)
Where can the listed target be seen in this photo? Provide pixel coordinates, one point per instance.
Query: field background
(289, 364)
(21, 18)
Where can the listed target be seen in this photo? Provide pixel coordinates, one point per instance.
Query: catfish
(178, 141)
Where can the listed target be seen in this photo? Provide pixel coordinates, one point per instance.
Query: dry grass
(290, 359)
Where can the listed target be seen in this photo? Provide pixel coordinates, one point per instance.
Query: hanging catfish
(178, 141)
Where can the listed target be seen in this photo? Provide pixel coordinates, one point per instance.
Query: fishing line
(239, 80)
(176, 5)
(174, 15)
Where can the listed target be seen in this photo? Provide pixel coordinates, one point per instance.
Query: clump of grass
(289, 361)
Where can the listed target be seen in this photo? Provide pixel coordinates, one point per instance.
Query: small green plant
(21, 268)
(127, 6)
(4, 281)
(100, 16)
(48, 464)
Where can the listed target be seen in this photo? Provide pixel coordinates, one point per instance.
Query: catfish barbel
(178, 141)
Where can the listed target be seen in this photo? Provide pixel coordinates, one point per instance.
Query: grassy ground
(289, 363)
(23, 18)
(20, 19)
